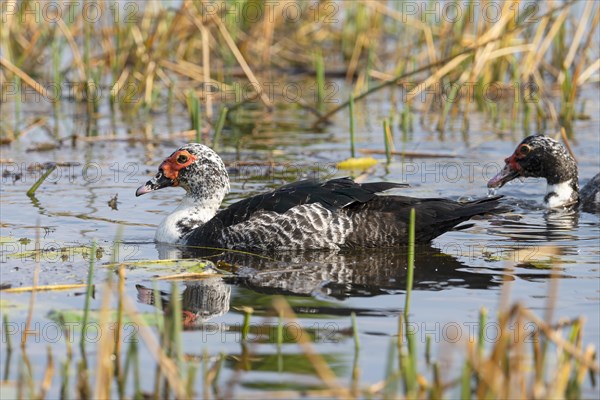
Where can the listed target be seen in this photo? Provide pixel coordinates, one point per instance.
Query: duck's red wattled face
(512, 167)
(538, 157)
(168, 172)
(175, 163)
(194, 167)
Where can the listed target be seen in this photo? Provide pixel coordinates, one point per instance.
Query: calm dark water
(455, 276)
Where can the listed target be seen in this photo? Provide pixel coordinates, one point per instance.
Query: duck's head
(195, 168)
(542, 157)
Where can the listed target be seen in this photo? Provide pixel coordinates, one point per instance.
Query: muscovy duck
(539, 156)
(308, 214)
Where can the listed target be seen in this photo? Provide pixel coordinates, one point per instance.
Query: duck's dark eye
(524, 149)
(182, 159)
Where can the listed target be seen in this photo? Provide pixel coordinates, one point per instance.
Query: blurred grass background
(521, 63)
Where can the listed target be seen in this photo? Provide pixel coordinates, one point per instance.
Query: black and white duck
(540, 156)
(308, 214)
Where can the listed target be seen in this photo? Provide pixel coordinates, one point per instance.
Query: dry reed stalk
(105, 348)
(545, 45)
(586, 45)
(563, 134)
(550, 107)
(483, 53)
(27, 52)
(517, 366)
(481, 58)
(558, 340)
(108, 47)
(167, 366)
(36, 277)
(241, 60)
(436, 76)
(381, 76)
(25, 77)
(590, 355)
(48, 374)
(121, 294)
(552, 296)
(138, 38)
(74, 49)
(317, 361)
(120, 83)
(35, 288)
(428, 32)
(168, 82)
(581, 25)
(184, 68)
(267, 34)
(505, 51)
(490, 36)
(535, 44)
(409, 20)
(38, 122)
(205, 70)
(353, 64)
(588, 72)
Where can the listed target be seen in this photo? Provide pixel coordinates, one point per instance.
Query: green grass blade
(37, 184)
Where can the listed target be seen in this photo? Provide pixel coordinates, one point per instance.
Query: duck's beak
(510, 171)
(158, 182)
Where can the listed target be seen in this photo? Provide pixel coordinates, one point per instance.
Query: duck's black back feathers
(384, 221)
(335, 214)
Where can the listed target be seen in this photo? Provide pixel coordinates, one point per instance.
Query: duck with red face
(309, 214)
(543, 157)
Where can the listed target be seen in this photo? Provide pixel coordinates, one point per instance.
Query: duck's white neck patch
(188, 216)
(560, 195)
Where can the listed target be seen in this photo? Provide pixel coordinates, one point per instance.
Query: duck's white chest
(177, 225)
(168, 231)
(559, 195)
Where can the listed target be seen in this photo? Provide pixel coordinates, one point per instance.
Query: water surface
(524, 250)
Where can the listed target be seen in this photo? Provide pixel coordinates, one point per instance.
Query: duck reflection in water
(529, 226)
(201, 300)
(322, 274)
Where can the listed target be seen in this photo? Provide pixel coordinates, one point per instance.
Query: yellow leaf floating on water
(360, 163)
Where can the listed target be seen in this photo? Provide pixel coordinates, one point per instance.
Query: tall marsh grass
(139, 55)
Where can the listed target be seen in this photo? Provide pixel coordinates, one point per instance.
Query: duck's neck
(562, 194)
(562, 176)
(191, 214)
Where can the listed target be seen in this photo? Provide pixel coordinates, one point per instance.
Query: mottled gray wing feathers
(333, 194)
